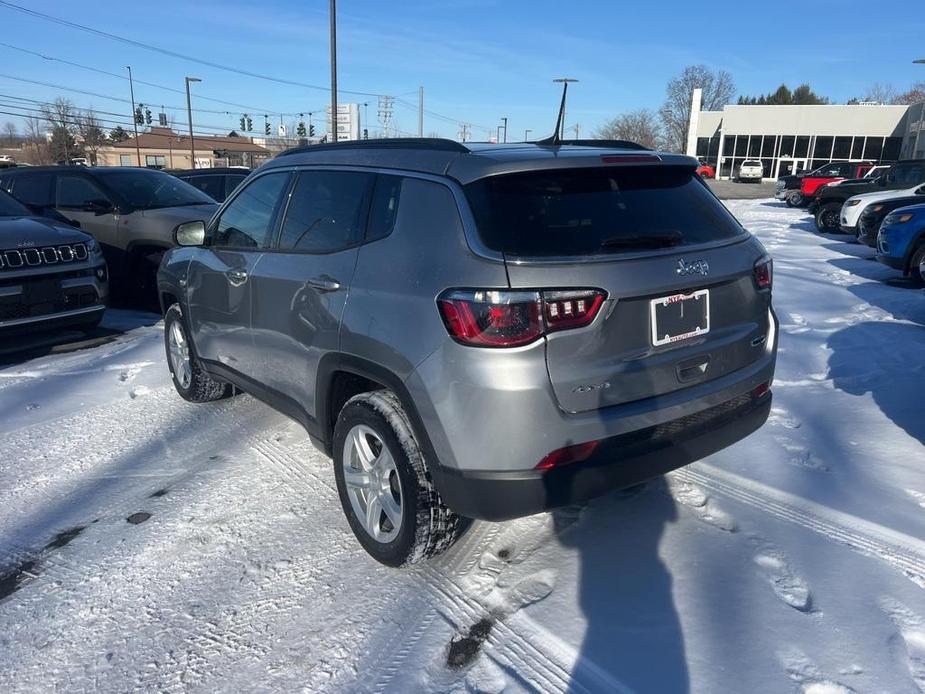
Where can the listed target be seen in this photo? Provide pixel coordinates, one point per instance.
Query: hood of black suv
(25, 232)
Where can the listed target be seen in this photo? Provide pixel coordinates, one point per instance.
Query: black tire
(428, 527)
(201, 387)
(795, 199)
(827, 217)
(915, 265)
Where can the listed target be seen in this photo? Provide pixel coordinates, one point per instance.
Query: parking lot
(150, 544)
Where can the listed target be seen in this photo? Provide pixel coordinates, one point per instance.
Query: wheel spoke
(383, 462)
(357, 479)
(391, 508)
(373, 516)
(364, 452)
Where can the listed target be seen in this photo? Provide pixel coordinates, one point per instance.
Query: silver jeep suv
(477, 331)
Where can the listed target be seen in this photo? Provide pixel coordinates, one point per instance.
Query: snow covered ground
(149, 544)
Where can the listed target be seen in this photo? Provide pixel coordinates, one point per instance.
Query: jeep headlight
(852, 203)
(898, 218)
(93, 248)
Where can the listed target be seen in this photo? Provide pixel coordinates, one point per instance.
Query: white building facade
(788, 139)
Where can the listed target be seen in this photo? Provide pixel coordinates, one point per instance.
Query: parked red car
(706, 171)
(810, 185)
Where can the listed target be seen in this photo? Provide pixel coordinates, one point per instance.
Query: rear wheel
(827, 217)
(795, 199)
(189, 378)
(384, 485)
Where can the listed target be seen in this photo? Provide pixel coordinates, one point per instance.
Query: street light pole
(918, 131)
(189, 113)
(504, 119)
(527, 133)
(333, 70)
(131, 91)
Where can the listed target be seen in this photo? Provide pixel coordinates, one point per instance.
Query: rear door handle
(325, 284)
(236, 277)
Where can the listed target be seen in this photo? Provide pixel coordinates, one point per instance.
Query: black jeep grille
(15, 258)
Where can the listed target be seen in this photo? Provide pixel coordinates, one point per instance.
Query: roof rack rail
(614, 144)
(428, 143)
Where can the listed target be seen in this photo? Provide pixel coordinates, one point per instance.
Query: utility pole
(565, 81)
(527, 133)
(189, 113)
(504, 119)
(420, 111)
(333, 70)
(131, 91)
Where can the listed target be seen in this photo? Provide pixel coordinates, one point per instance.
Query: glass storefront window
(786, 145)
(842, 148)
(874, 148)
(802, 146)
(703, 146)
(754, 146)
(767, 147)
(857, 148)
(741, 146)
(823, 148)
(892, 148)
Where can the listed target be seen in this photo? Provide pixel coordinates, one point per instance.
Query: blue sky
(477, 60)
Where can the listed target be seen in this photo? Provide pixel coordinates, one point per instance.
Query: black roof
(207, 172)
(470, 161)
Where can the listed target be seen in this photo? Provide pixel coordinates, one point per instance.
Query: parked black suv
(217, 183)
(826, 208)
(874, 214)
(131, 212)
(51, 274)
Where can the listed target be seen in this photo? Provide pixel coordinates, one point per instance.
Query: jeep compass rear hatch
(643, 282)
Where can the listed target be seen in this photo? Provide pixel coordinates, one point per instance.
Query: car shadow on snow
(890, 367)
(633, 630)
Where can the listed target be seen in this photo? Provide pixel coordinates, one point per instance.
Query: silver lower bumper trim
(52, 316)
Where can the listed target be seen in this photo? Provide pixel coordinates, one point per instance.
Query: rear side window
(909, 173)
(33, 189)
(247, 222)
(581, 212)
(327, 211)
(213, 186)
(384, 207)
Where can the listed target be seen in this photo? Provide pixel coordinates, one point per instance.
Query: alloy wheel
(179, 355)
(372, 483)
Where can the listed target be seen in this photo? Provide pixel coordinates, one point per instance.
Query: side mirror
(98, 206)
(190, 234)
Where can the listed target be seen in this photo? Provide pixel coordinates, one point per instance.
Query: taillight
(565, 456)
(763, 273)
(497, 318)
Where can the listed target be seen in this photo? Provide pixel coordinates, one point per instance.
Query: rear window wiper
(643, 240)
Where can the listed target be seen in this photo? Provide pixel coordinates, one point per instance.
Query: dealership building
(787, 139)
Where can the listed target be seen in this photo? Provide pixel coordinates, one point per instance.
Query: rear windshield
(596, 211)
(145, 189)
(751, 162)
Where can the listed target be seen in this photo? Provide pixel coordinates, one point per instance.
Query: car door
(219, 276)
(77, 196)
(301, 285)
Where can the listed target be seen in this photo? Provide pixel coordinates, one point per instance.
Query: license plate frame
(687, 328)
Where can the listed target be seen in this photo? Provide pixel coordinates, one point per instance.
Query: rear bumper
(618, 462)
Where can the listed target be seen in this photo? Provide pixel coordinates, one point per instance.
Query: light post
(918, 131)
(131, 91)
(189, 113)
(333, 71)
(527, 133)
(565, 81)
(504, 120)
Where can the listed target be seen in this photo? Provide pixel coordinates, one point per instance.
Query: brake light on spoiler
(499, 318)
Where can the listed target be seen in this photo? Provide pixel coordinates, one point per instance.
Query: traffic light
(311, 130)
(243, 122)
(365, 134)
(139, 115)
(266, 128)
(250, 124)
(147, 116)
(300, 129)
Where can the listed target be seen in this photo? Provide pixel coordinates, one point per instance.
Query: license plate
(680, 317)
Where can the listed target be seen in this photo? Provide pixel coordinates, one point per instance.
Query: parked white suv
(750, 170)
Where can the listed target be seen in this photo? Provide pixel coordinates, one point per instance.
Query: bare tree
(36, 141)
(64, 120)
(880, 93)
(10, 129)
(913, 95)
(640, 126)
(91, 132)
(718, 89)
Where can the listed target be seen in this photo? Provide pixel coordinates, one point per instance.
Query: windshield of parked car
(146, 189)
(11, 207)
(596, 211)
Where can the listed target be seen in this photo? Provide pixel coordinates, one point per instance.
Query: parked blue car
(901, 241)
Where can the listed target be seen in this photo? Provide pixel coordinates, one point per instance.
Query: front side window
(34, 189)
(327, 211)
(581, 212)
(74, 192)
(247, 222)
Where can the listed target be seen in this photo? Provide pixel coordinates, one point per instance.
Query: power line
(137, 81)
(449, 119)
(173, 54)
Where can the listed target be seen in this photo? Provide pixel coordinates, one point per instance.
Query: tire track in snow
(903, 552)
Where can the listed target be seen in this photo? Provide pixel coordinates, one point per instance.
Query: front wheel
(795, 199)
(827, 217)
(189, 378)
(384, 485)
(917, 266)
